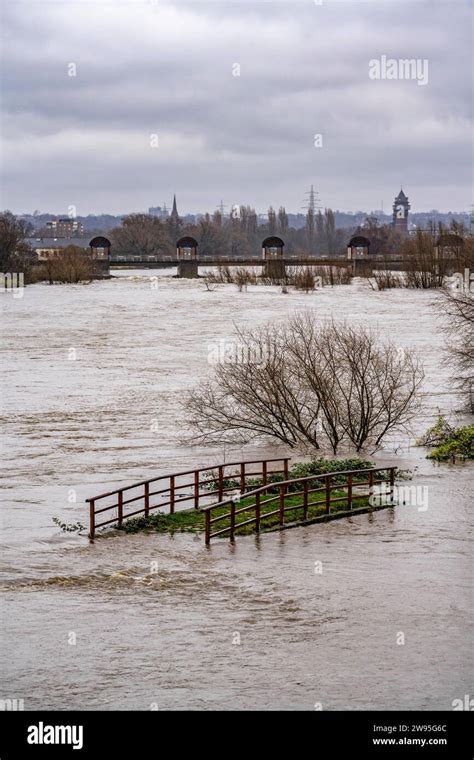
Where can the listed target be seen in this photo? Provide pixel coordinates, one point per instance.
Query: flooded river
(371, 612)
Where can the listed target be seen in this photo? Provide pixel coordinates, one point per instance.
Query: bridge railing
(169, 491)
(346, 484)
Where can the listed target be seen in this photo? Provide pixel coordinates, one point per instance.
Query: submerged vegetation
(69, 527)
(317, 466)
(74, 265)
(448, 443)
(302, 278)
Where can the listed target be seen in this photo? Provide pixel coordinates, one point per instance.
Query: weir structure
(186, 253)
(272, 259)
(100, 254)
(272, 254)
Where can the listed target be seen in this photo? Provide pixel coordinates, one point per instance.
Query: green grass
(192, 520)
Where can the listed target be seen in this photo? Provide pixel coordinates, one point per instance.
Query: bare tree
(260, 396)
(282, 221)
(365, 387)
(311, 384)
(427, 264)
(15, 252)
(309, 228)
(457, 309)
(143, 235)
(272, 221)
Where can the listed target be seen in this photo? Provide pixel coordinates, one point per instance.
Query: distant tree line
(240, 235)
(98, 224)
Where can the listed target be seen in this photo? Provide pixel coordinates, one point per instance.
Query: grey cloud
(168, 69)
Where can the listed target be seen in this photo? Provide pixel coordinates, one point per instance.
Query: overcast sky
(168, 69)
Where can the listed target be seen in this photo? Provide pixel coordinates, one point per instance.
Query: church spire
(174, 212)
(174, 220)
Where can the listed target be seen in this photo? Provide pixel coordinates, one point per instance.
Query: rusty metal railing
(280, 493)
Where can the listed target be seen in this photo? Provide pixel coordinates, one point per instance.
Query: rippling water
(157, 620)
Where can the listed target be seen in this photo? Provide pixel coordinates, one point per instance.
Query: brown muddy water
(92, 381)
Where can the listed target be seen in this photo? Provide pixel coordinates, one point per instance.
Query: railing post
(232, 519)
(120, 507)
(91, 518)
(172, 494)
(349, 491)
(147, 499)
(371, 483)
(196, 489)
(328, 494)
(282, 505)
(305, 500)
(208, 526)
(242, 477)
(285, 469)
(220, 484)
(264, 472)
(257, 513)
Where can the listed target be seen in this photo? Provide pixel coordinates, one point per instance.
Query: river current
(367, 612)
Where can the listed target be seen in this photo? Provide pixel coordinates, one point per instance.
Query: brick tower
(400, 213)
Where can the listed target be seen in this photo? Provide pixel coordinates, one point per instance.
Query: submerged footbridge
(229, 499)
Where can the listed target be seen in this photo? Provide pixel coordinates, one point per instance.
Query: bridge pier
(274, 269)
(101, 267)
(188, 268)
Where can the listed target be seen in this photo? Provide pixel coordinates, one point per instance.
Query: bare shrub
(304, 279)
(71, 265)
(335, 275)
(223, 274)
(420, 264)
(210, 281)
(385, 279)
(273, 279)
(243, 277)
